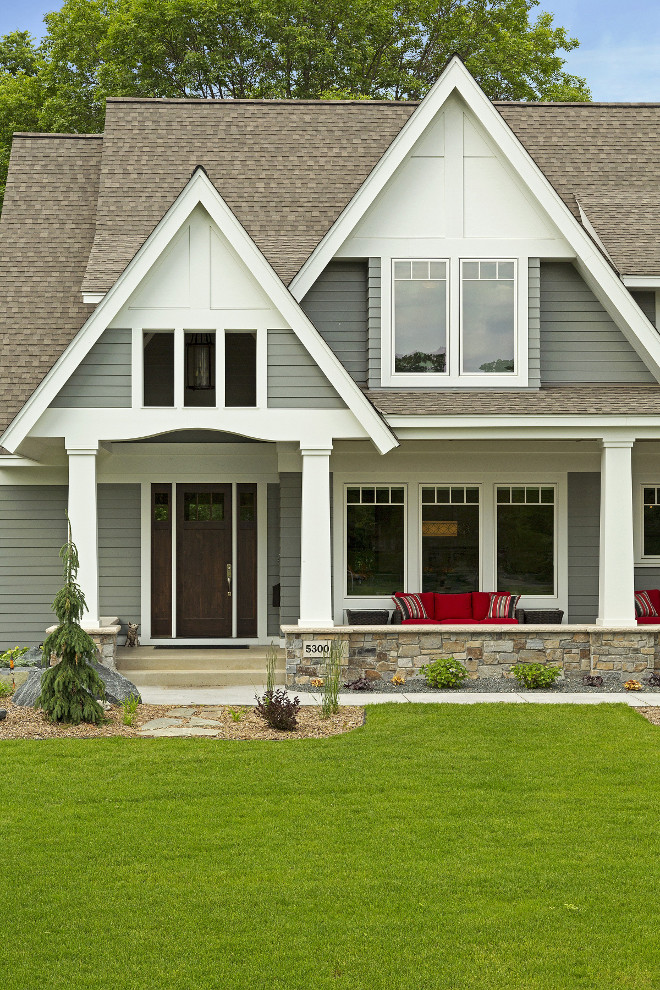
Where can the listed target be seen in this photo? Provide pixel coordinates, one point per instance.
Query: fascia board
(198, 190)
(603, 280)
(522, 423)
(641, 281)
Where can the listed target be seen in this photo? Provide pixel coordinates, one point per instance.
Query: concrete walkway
(246, 696)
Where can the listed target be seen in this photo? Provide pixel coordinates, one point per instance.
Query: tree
(70, 688)
(366, 49)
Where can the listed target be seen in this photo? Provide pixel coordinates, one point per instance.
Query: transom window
(375, 540)
(420, 316)
(525, 529)
(651, 522)
(450, 538)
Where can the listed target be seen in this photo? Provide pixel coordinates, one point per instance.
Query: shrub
(332, 680)
(70, 689)
(5, 689)
(446, 673)
(360, 684)
(632, 685)
(535, 675)
(278, 710)
(129, 708)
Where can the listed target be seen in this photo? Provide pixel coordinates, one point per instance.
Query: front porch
(186, 667)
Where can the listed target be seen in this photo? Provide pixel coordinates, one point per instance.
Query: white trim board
(199, 190)
(599, 275)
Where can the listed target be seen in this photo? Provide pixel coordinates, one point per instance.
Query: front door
(204, 561)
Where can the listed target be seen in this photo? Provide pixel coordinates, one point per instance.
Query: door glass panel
(246, 507)
(204, 506)
(161, 506)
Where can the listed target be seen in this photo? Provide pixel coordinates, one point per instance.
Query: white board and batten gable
(457, 184)
(199, 271)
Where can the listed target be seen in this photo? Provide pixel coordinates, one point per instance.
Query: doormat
(205, 646)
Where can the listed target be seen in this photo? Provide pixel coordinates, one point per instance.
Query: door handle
(229, 580)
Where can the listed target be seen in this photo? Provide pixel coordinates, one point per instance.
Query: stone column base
(105, 637)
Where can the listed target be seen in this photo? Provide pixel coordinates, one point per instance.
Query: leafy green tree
(364, 49)
(70, 688)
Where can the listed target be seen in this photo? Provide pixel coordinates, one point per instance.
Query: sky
(619, 49)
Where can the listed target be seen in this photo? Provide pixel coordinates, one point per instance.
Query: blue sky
(619, 42)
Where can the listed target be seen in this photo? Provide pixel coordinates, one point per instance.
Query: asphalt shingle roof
(77, 208)
(556, 400)
(46, 233)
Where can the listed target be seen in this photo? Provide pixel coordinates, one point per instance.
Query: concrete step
(165, 661)
(191, 678)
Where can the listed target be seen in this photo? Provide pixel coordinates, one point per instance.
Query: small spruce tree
(70, 688)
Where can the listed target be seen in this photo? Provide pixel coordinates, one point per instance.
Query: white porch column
(617, 560)
(315, 549)
(84, 526)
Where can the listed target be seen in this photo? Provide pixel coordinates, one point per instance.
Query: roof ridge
(54, 134)
(260, 101)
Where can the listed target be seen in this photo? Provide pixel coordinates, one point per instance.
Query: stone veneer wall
(379, 652)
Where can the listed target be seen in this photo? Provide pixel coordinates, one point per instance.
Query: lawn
(487, 846)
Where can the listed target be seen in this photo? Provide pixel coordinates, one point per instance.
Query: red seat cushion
(499, 622)
(420, 622)
(480, 604)
(648, 620)
(458, 622)
(454, 607)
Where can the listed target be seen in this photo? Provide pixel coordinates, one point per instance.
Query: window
(526, 539)
(158, 363)
(240, 368)
(420, 317)
(450, 539)
(651, 522)
(199, 369)
(375, 540)
(488, 317)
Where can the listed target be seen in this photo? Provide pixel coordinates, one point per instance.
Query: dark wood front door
(204, 561)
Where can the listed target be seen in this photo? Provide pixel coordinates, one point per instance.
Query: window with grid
(450, 538)
(420, 316)
(526, 539)
(375, 539)
(488, 317)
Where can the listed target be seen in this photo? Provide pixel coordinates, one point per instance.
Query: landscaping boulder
(117, 687)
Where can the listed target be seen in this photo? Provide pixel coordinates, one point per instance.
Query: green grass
(489, 846)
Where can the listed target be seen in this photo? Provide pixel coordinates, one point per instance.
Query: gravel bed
(505, 685)
(30, 723)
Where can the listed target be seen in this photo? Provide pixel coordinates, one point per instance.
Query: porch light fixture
(200, 361)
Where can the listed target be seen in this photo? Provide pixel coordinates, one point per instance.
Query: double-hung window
(525, 529)
(375, 540)
(420, 317)
(488, 317)
(651, 522)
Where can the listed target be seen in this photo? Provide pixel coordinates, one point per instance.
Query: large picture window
(450, 539)
(375, 540)
(526, 539)
(488, 317)
(420, 317)
(651, 522)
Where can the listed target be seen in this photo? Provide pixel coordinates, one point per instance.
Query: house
(282, 358)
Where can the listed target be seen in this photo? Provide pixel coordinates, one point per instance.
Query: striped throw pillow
(502, 605)
(643, 604)
(410, 606)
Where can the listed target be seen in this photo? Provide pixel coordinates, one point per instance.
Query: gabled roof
(200, 191)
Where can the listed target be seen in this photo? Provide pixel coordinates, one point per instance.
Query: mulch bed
(652, 714)
(30, 723)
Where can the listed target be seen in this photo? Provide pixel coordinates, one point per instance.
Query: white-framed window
(455, 320)
(420, 316)
(526, 539)
(488, 317)
(375, 540)
(450, 538)
(650, 523)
